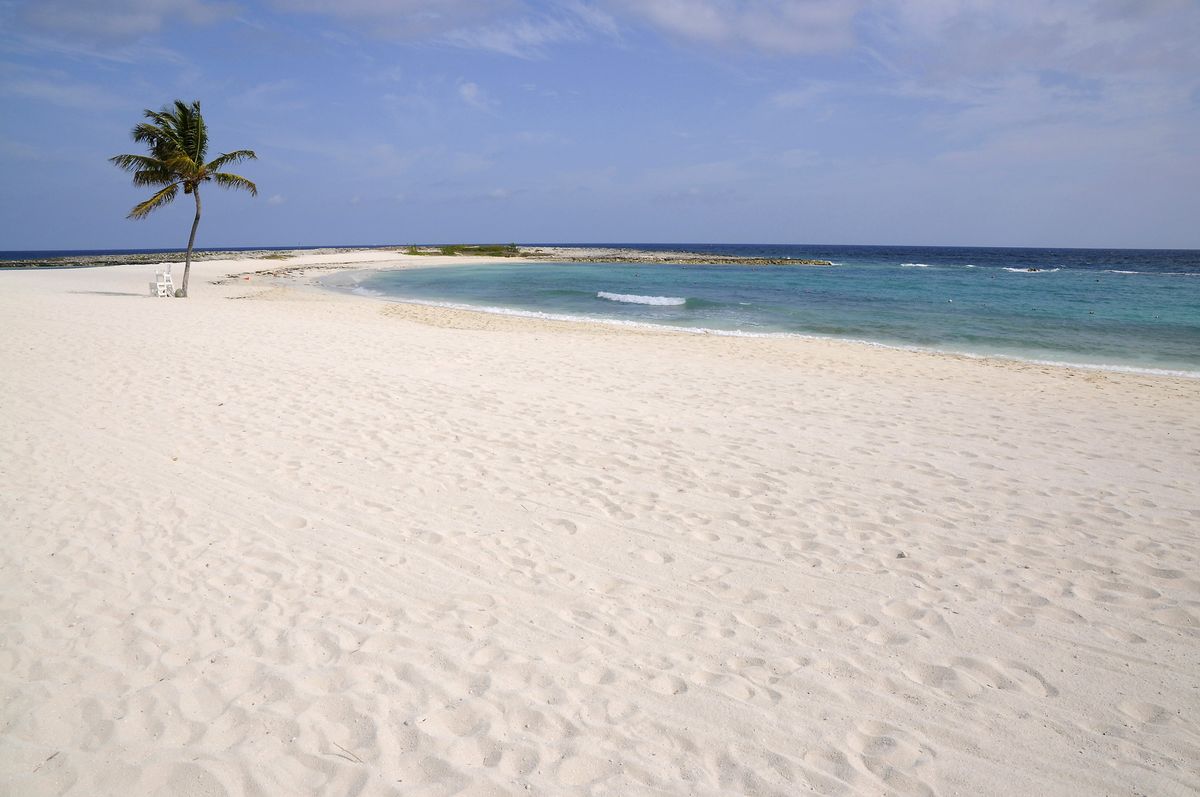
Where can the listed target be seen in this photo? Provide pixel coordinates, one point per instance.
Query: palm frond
(226, 180)
(156, 134)
(163, 197)
(227, 158)
(136, 163)
(154, 177)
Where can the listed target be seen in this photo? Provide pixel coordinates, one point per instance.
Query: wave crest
(630, 298)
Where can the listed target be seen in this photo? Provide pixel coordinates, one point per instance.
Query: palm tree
(178, 142)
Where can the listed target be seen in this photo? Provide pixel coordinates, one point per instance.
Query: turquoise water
(1124, 310)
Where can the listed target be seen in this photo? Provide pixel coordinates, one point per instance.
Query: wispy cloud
(510, 27)
(117, 20)
(276, 95)
(779, 26)
(404, 19)
(523, 38)
(56, 89)
(804, 96)
(19, 150)
(474, 96)
(950, 40)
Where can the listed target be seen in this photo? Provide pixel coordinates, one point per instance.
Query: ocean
(1118, 309)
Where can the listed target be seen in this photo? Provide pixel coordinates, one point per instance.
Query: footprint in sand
(1146, 713)
(656, 557)
(667, 685)
(564, 525)
(594, 676)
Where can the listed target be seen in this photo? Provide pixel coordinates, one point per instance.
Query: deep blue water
(1115, 308)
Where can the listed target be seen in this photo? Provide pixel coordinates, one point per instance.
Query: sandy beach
(275, 540)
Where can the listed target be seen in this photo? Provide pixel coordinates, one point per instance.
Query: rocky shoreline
(572, 254)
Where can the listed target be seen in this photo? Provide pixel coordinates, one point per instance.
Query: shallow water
(1113, 308)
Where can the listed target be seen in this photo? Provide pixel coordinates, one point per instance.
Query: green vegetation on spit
(481, 250)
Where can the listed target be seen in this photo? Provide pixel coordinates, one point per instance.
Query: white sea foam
(630, 298)
(915, 265)
(1118, 271)
(1027, 270)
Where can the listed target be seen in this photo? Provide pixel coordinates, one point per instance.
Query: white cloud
(276, 199)
(1007, 78)
(1097, 37)
(779, 26)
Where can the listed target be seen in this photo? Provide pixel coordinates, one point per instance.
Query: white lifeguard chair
(163, 285)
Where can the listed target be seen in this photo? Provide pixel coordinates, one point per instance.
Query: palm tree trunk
(187, 261)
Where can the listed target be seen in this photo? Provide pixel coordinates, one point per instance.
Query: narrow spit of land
(575, 254)
(601, 254)
(561, 254)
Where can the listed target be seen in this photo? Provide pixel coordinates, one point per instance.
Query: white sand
(330, 545)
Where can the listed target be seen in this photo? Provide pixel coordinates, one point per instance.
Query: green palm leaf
(236, 156)
(226, 180)
(143, 209)
(134, 163)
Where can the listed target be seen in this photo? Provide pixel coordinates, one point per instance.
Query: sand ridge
(303, 543)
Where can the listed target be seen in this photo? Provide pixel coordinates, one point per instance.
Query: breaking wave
(630, 298)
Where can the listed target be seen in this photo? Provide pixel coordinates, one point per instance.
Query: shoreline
(302, 269)
(311, 274)
(636, 326)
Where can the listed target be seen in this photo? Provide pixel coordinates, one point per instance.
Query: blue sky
(977, 122)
